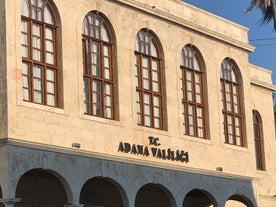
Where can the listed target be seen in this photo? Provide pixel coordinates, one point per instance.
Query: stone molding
(10, 200)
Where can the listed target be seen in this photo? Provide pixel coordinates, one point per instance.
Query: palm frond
(262, 4)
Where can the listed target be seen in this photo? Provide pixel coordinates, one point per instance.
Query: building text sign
(154, 150)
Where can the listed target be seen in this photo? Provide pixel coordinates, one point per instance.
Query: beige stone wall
(213, 38)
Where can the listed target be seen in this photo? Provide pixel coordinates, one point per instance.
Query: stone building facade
(131, 103)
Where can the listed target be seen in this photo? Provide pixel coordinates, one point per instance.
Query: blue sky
(265, 51)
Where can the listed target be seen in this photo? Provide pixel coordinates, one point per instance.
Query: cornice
(115, 158)
(185, 23)
(262, 84)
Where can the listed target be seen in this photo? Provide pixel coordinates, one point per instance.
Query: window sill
(151, 130)
(196, 139)
(101, 120)
(41, 107)
(235, 147)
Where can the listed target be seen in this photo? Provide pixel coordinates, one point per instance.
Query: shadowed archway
(199, 198)
(238, 201)
(154, 195)
(102, 192)
(39, 187)
(1, 196)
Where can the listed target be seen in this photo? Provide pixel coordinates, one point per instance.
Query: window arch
(149, 80)
(98, 66)
(258, 140)
(231, 102)
(40, 32)
(192, 83)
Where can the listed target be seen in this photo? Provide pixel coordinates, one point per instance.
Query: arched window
(40, 31)
(192, 81)
(149, 81)
(258, 140)
(231, 102)
(98, 67)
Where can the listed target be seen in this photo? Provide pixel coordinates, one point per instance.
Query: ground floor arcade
(40, 176)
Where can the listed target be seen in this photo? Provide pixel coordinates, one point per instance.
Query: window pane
(200, 132)
(156, 123)
(94, 47)
(154, 76)
(189, 75)
(107, 89)
(108, 113)
(50, 75)
(37, 97)
(24, 39)
(153, 51)
(33, 13)
(146, 98)
(39, 14)
(191, 130)
(105, 50)
(50, 58)
(50, 87)
(25, 68)
(105, 36)
(49, 46)
(155, 87)
(196, 64)
(37, 84)
(146, 84)
(96, 98)
(37, 71)
(36, 55)
(107, 101)
(24, 51)
(48, 17)
(50, 100)
(25, 9)
(106, 62)
(36, 42)
(147, 120)
(86, 95)
(156, 101)
(25, 81)
(145, 62)
(156, 112)
(147, 109)
(230, 139)
(26, 94)
(36, 30)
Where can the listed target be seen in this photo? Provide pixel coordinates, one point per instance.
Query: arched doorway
(40, 188)
(102, 192)
(153, 195)
(199, 198)
(238, 201)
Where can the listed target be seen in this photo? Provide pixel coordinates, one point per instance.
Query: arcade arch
(199, 198)
(154, 195)
(238, 201)
(39, 187)
(101, 192)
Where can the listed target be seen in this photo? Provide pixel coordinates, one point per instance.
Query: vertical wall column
(9, 202)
